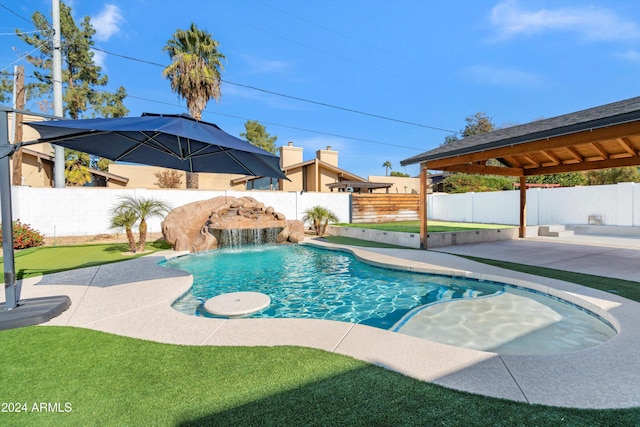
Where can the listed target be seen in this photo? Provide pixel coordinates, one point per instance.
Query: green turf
(50, 259)
(108, 380)
(432, 226)
(341, 240)
(624, 288)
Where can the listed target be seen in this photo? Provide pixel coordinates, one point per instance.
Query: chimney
(328, 156)
(290, 155)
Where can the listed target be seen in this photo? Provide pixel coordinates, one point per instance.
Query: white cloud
(100, 58)
(591, 23)
(107, 22)
(630, 55)
(499, 76)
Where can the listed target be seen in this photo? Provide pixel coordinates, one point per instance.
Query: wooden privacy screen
(385, 207)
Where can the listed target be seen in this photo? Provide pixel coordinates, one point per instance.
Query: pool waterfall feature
(227, 221)
(234, 237)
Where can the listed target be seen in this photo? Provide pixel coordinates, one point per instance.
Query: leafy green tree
(387, 165)
(461, 183)
(613, 176)
(401, 174)
(143, 208)
(6, 87)
(477, 124)
(194, 73)
(567, 179)
(257, 135)
(320, 217)
(464, 183)
(125, 218)
(81, 77)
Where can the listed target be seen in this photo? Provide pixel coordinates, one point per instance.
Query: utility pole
(18, 104)
(58, 168)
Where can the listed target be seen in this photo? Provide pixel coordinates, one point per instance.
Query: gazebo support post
(423, 206)
(523, 207)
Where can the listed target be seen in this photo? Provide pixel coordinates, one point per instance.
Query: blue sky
(401, 72)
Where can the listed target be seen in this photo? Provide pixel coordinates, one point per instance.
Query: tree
(461, 183)
(401, 174)
(319, 217)
(143, 208)
(257, 135)
(613, 176)
(194, 73)
(477, 124)
(168, 178)
(80, 75)
(387, 165)
(125, 218)
(567, 179)
(76, 168)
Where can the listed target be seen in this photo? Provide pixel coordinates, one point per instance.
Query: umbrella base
(33, 311)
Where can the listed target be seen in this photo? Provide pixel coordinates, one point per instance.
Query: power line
(16, 13)
(323, 104)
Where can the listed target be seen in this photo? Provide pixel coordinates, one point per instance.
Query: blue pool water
(307, 282)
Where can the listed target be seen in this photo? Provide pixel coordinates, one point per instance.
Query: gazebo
(597, 138)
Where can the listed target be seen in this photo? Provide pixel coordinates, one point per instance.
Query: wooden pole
(19, 105)
(424, 187)
(523, 207)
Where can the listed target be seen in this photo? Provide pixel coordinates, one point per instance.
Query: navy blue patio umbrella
(167, 140)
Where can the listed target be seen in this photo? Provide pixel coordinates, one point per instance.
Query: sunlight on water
(306, 282)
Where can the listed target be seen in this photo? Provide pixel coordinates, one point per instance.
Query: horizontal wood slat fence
(384, 207)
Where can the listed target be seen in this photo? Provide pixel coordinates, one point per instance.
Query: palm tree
(125, 218)
(320, 217)
(387, 165)
(143, 209)
(194, 72)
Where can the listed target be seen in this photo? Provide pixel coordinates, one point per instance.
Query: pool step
(554, 231)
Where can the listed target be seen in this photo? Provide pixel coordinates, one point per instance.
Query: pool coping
(133, 299)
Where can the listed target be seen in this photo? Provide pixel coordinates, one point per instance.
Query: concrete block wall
(618, 205)
(86, 211)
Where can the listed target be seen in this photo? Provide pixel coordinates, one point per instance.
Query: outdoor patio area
(133, 299)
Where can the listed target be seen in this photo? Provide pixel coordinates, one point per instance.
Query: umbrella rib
(159, 147)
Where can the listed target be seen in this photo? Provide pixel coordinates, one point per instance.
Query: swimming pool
(307, 282)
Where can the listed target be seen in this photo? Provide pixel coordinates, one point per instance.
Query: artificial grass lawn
(112, 380)
(50, 259)
(624, 288)
(432, 226)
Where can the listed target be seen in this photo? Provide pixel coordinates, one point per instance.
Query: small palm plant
(143, 209)
(125, 218)
(319, 217)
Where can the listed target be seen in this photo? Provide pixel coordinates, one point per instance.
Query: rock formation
(225, 221)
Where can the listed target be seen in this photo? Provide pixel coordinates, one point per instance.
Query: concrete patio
(133, 299)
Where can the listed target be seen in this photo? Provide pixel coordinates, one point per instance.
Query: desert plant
(125, 218)
(319, 217)
(168, 178)
(24, 236)
(142, 208)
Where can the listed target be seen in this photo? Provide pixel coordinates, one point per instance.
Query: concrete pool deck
(133, 299)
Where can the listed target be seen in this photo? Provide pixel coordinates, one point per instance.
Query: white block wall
(619, 205)
(86, 211)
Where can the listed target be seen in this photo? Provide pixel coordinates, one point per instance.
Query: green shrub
(24, 236)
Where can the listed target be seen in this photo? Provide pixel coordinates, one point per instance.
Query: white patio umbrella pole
(11, 297)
